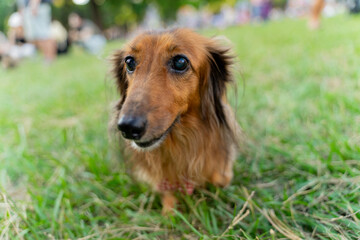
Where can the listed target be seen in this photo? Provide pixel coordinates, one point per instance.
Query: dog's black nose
(132, 127)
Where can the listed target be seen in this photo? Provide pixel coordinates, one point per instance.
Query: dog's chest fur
(190, 154)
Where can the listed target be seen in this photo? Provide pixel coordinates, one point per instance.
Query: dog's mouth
(157, 140)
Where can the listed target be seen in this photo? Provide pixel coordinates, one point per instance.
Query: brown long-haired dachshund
(180, 131)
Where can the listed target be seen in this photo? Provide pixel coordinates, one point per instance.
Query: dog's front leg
(168, 201)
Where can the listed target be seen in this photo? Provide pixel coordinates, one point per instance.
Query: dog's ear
(218, 75)
(119, 73)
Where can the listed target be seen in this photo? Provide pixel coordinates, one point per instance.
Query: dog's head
(162, 76)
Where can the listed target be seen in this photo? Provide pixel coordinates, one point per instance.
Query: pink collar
(183, 187)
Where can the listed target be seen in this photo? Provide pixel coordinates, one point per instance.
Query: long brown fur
(202, 144)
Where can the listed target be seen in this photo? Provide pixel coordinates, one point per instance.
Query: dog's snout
(132, 127)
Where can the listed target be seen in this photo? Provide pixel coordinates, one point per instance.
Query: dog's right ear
(119, 73)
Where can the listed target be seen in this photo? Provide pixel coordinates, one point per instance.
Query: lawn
(298, 176)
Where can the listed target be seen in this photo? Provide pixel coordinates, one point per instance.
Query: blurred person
(11, 54)
(37, 26)
(314, 21)
(2, 38)
(16, 30)
(152, 19)
(205, 17)
(255, 9)
(4, 45)
(218, 20)
(188, 16)
(15, 48)
(229, 15)
(60, 35)
(353, 6)
(243, 11)
(85, 33)
(6, 61)
(18, 47)
(266, 7)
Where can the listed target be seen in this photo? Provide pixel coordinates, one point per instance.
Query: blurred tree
(215, 5)
(279, 4)
(62, 8)
(125, 13)
(168, 9)
(105, 13)
(96, 12)
(6, 8)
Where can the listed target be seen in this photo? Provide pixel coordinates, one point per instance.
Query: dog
(179, 129)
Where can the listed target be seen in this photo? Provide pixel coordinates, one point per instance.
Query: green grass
(300, 111)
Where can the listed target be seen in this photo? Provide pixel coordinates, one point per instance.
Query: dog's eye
(179, 63)
(130, 64)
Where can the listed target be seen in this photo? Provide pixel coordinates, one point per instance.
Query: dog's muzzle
(132, 128)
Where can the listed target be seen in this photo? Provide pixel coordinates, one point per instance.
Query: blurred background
(52, 26)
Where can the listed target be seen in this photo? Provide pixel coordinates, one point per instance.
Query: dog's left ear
(214, 86)
(120, 75)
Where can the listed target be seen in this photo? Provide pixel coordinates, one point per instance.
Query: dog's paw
(169, 202)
